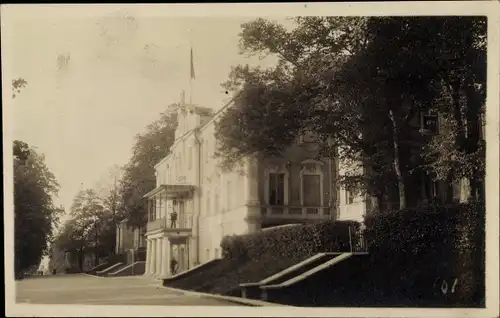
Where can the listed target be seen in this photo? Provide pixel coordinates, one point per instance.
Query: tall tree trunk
(473, 114)
(380, 202)
(397, 168)
(80, 258)
(457, 113)
(449, 187)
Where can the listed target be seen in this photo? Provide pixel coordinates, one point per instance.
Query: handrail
(310, 272)
(183, 221)
(285, 271)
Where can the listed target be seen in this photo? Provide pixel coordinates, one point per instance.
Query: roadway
(91, 290)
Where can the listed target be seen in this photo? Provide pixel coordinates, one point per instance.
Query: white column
(252, 194)
(165, 262)
(159, 247)
(252, 182)
(148, 258)
(152, 260)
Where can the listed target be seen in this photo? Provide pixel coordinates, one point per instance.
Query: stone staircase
(111, 269)
(137, 268)
(254, 290)
(287, 286)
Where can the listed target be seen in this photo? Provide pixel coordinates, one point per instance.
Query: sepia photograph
(284, 159)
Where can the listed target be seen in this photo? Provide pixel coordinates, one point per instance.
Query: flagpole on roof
(191, 75)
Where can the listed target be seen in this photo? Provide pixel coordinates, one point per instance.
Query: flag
(192, 65)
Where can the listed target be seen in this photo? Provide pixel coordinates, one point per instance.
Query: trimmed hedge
(253, 257)
(291, 242)
(430, 256)
(413, 255)
(414, 250)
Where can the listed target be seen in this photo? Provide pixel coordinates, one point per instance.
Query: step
(97, 268)
(190, 271)
(252, 290)
(136, 268)
(301, 277)
(109, 269)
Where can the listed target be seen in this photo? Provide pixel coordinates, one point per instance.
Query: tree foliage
(360, 84)
(35, 215)
(139, 173)
(91, 229)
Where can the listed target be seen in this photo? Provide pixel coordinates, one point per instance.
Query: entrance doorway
(180, 252)
(179, 209)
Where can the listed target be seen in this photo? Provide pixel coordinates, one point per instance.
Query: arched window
(311, 185)
(276, 186)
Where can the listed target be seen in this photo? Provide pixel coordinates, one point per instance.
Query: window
(429, 123)
(276, 188)
(312, 190)
(205, 148)
(216, 204)
(311, 176)
(276, 185)
(190, 157)
(350, 195)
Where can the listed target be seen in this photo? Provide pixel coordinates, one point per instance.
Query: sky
(122, 71)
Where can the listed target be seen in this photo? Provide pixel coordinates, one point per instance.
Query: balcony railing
(184, 221)
(307, 212)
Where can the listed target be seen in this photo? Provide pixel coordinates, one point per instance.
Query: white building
(210, 203)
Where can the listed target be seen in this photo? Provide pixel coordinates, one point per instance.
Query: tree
(70, 239)
(358, 83)
(35, 215)
(139, 173)
(93, 223)
(459, 152)
(109, 192)
(92, 227)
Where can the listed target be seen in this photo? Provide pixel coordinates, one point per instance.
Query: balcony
(183, 224)
(294, 213)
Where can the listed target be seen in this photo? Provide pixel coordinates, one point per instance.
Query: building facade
(355, 206)
(195, 203)
(130, 242)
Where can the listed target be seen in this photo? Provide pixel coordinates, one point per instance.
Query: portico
(169, 229)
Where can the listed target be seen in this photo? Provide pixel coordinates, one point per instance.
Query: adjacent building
(129, 241)
(425, 124)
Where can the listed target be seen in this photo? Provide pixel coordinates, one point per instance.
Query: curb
(232, 299)
(95, 276)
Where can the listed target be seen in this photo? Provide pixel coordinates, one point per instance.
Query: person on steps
(173, 266)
